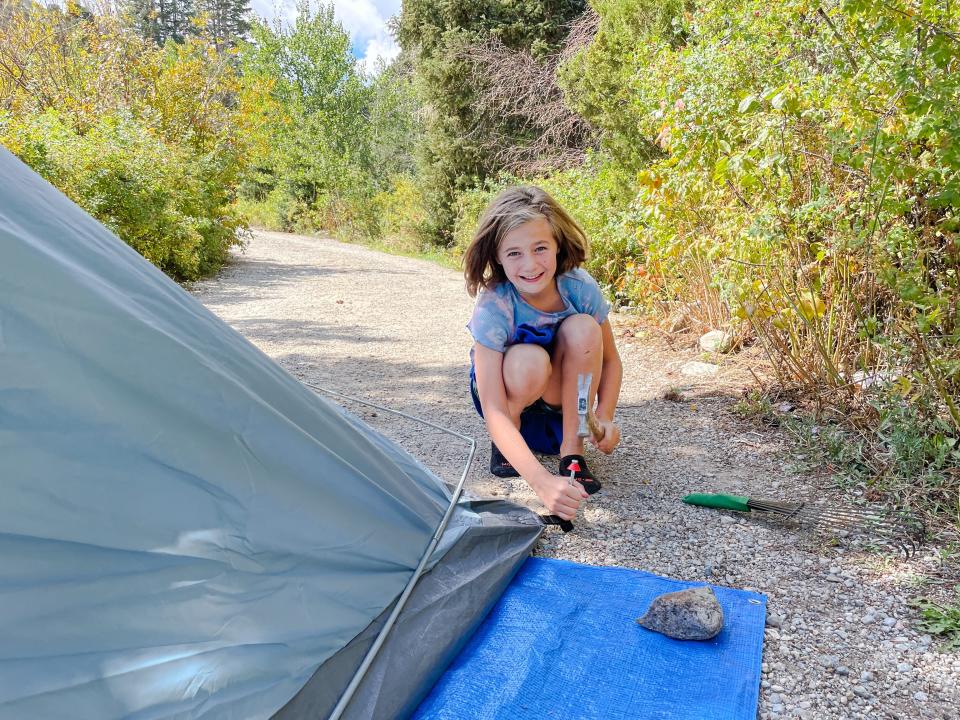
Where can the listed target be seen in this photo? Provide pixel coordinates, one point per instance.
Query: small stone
(716, 341)
(842, 670)
(866, 676)
(695, 368)
(920, 696)
(678, 321)
(861, 692)
(692, 614)
(904, 667)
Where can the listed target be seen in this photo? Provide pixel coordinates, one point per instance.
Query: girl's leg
(526, 371)
(579, 350)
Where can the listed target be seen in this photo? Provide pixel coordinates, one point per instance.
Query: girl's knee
(580, 331)
(526, 370)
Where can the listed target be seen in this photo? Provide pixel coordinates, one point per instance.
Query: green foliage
(790, 170)
(395, 125)
(161, 20)
(318, 158)
(941, 619)
(149, 141)
(402, 214)
(162, 201)
(435, 34)
(222, 21)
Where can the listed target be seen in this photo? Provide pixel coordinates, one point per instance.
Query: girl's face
(528, 254)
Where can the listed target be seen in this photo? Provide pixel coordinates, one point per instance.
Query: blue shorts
(541, 424)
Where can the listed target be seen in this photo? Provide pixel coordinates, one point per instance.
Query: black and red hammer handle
(565, 525)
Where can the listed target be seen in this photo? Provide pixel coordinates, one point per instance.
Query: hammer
(588, 423)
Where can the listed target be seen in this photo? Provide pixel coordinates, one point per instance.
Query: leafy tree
(320, 160)
(436, 34)
(395, 120)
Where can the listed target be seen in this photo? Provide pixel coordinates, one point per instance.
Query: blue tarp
(563, 642)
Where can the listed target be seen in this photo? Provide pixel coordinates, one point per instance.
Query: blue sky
(365, 20)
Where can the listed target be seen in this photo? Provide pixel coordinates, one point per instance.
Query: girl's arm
(555, 492)
(608, 391)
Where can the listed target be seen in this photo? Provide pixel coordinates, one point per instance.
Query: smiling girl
(540, 320)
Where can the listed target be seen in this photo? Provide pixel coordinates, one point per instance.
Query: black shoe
(499, 465)
(583, 474)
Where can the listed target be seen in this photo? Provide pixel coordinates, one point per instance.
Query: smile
(531, 279)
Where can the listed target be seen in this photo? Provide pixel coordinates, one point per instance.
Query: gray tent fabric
(186, 530)
(445, 608)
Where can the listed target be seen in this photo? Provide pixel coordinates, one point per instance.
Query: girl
(540, 320)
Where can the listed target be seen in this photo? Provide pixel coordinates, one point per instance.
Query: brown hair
(509, 209)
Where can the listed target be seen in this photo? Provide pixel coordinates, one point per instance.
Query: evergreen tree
(161, 20)
(226, 20)
(437, 34)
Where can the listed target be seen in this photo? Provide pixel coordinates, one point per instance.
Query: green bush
(151, 141)
(165, 202)
(402, 214)
(792, 170)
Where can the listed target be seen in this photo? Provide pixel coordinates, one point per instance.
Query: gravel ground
(840, 639)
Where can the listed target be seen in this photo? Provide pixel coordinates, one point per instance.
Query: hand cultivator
(875, 523)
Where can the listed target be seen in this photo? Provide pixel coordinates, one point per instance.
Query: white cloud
(379, 49)
(364, 20)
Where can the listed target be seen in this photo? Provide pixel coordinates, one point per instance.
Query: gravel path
(839, 641)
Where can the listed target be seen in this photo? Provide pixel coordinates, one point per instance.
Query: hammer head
(583, 399)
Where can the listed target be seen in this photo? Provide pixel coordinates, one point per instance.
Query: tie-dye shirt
(502, 318)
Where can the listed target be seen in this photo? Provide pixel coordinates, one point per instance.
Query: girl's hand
(560, 497)
(611, 436)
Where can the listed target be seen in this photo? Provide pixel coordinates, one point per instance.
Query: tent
(186, 530)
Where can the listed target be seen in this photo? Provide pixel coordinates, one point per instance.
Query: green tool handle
(719, 501)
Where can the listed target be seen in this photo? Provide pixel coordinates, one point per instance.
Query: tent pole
(425, 558)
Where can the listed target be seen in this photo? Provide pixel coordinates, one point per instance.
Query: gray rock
(716, 341)
(692, 614)
(829, 661)
(694, 368)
